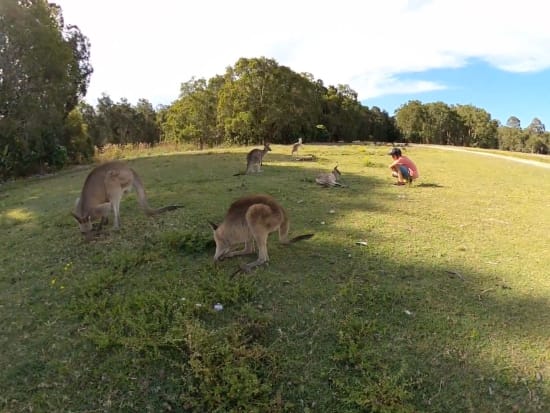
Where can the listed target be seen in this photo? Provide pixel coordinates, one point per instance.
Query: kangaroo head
(267, 147)
(336, 172)
(223, 245)
(84, 223)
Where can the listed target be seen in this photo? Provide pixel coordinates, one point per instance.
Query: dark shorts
(404, 171)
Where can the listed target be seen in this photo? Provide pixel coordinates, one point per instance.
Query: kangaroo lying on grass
(250, 220)
(330, 179)
(103, 190)
(254, 160)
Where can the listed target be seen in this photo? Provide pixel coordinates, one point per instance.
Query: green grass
(445, 309)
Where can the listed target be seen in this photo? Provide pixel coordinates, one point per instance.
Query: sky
(493, 54)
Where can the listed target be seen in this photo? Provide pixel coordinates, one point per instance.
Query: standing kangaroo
(330, 179)
(254, 159)
(103, 190)
(250, 220)
(296, 146)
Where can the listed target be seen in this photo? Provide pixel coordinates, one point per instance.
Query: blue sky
(493, 54)
(502, 94)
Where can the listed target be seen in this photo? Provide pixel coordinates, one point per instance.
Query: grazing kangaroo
(330, 179)
(103, 190)
(296, 146)
(250, 220)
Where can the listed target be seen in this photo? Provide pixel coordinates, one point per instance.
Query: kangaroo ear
(212, 225)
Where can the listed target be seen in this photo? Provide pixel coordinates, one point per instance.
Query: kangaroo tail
(239, 173)
(300, 238)
(142, 199)
(163, 209)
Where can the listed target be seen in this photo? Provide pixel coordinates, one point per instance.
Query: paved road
(494, 155)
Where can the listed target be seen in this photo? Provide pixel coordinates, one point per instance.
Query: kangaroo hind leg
(248, 249)
(257, 218)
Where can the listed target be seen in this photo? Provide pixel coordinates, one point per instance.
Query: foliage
(122, 122)
(44, 71)
(532, 139)
(439, 123)
(77, 140)
(259, 100)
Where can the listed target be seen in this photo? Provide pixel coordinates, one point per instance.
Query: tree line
(45, 123)
(467, 125)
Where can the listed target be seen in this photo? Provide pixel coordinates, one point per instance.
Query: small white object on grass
(218, 307)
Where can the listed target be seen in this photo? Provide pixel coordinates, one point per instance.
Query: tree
(259, 100)
(536, 127)
(410, 118)
(262, 101)
(122, 123)
(77, 140)
(444, 126)
(146, 128)
(513, 122)
(44, 70)
(479, 129)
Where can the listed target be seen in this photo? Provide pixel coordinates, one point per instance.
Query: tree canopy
(44, 72)
(259, 100)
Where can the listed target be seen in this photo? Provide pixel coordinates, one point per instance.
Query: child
(402, 167)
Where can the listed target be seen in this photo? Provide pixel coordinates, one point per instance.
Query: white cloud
(146, 49)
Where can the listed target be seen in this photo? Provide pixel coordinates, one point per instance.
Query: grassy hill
(446, 307)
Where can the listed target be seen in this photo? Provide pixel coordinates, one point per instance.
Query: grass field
(445, 309)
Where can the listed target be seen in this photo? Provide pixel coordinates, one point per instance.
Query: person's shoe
(399, 183)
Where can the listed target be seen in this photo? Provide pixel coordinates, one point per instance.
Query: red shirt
(403, 160)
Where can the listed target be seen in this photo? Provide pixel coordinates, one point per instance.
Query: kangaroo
(250, 220)
(103, 190)
(255, 157)
(330, 179)
(296, 146)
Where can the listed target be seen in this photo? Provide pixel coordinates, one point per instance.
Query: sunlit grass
(444, 309)
(18, 214)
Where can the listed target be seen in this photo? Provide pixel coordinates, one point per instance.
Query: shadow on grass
(428, 185)
(350, 328)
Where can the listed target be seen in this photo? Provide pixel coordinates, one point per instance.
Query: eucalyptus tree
(511, 138)
(44, 71)
(263, 101)
(245, 107)
(513, 122)
(480, 129)
(410, 119)
(538, 143)
(378, 125)
(93, 127)
(192, 117)
(444, 125)
(77, 140)
(342, 113)
(146, 128)
(536, 127)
